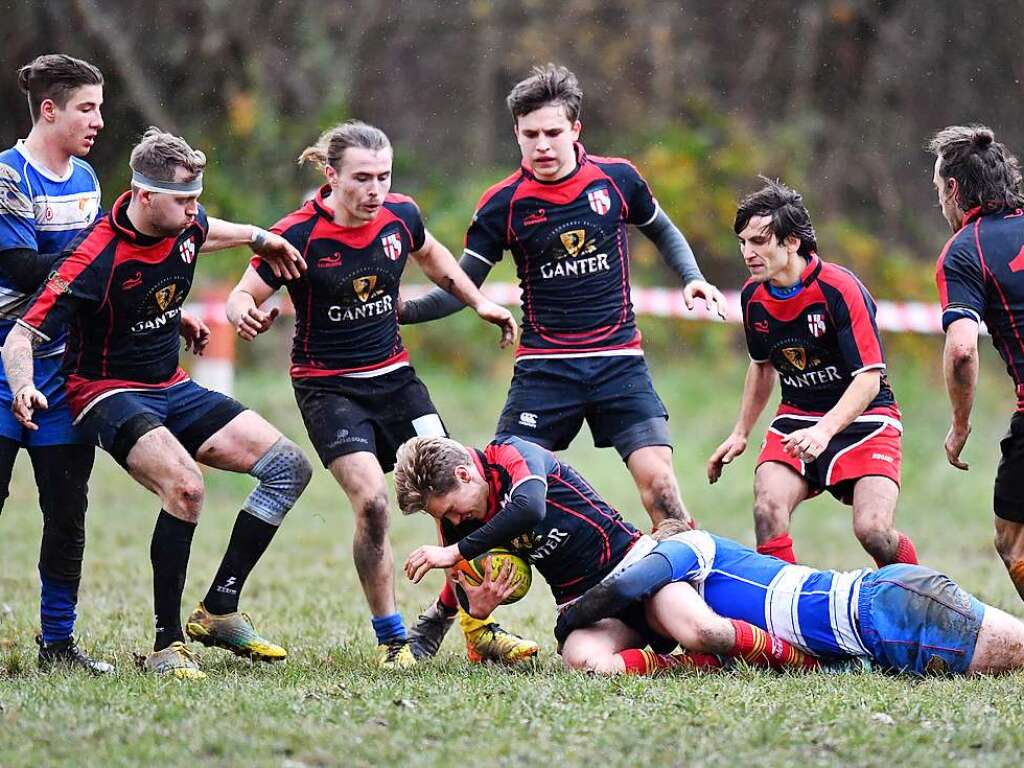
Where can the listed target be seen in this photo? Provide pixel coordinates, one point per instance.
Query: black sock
(168, 552)
(249, 540)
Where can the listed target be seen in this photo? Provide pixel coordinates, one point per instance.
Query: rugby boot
(176, 660)
(67, 654)
(233, 632)
(396, 654)
(487, 641)
(428, 632)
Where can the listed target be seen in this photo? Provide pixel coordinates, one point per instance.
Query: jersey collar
(42, 169)
(123, 226)
(581, 159)
(489, 476)
(811, 271)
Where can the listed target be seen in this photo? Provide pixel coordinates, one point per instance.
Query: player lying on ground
(564, 215)
(121, 289)
(812, 325)
(904, 618)
(359, 396)
(518, 495)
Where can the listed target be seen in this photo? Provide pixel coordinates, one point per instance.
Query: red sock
(905, 552)
(640, 661)
(447, 596)
(780, 546)
(757, 647)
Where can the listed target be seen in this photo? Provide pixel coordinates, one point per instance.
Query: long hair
(331, 145)
(987, 174)
(785, 207)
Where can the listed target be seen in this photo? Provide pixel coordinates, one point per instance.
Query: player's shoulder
(962, 245)
(402, 206)
(839, 277)
(13, 168)
(85, 172)
(615, 166)
(749, 289)
(500, 195)
(306, 215)
(510, 448)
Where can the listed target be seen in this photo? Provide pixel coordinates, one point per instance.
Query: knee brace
(283, 472)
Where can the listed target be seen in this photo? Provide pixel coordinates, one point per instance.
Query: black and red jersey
(570, 246)
(980, 274)
(579, 539)
(346, 304)
(817, 339)
(120, 294)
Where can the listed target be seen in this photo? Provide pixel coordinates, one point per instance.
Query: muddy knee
(771, 518)
(184, 499)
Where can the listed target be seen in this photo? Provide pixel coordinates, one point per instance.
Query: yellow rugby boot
(395, 655)
(176, 660)
(487, 641)
(233, 632)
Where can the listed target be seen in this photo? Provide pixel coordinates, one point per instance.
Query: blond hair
(333, 142)
(425, 467)
(159, 154)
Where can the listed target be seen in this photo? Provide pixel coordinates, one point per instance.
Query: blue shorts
(550, 398)
(55, 422)
(190, 412)
(913, 619)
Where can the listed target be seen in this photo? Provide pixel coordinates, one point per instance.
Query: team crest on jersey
(363, 286)
(797, 357)
(392, 243)
(573, 241)
(187, 249)
(600, 200)
(816, 324)
(165, 296)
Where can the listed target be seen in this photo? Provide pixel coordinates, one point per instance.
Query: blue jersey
(814, 610)
(44, 212)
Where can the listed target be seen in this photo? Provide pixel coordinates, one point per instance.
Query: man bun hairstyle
(159, 154)
(55, 76)
(425, 467)
(987, 174)
(333, 142)
(785, 207)
(550, 84)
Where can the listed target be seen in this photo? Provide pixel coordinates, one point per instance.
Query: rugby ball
(474, 572)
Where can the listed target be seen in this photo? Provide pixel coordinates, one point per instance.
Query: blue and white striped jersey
(44, 212)
(814, 610)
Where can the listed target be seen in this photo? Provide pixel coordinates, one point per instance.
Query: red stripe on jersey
(590, 503)
(891, 411)
(494, 189)
(561, 192)
(295, 217)
(83, 392)
(511, 460)
(1005, 303)
(940, 273)
(606, 555)
(531, 351)
(864, 333)
(302, 371)
(72, 267)
(491, 477)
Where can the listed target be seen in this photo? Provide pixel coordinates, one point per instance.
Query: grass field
(326, 706)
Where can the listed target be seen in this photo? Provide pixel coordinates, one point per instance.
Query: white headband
(180, 189)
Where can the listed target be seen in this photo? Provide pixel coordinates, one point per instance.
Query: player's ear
(462, 473)
(792, 243)
(48, 110)
(577, 129)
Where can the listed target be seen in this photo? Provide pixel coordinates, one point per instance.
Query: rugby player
(515, 494)
(812, 325)
(359, 396)
(978, 183)
(902, 617)
(120, 290)
(564, 216)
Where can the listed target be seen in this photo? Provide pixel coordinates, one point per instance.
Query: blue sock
(388, 628)
(57, 600)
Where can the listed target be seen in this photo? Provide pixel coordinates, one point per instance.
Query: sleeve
(673, 247)
(757, 346)
(202, 225)
(485, 239)
(853, 311)
(287, 229)
(437, 302)
(527, 466)
(961, 284)
(17, 217)
(411, 217)
(642, 207)
(78, 283)
(25, 268)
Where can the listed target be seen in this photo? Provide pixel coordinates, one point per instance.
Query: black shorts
(346, 415)
(1008, 498)
(550, 398)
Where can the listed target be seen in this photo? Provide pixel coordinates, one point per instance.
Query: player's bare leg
(248, 443)
(1010, 546)
(1000, 646)
(655, 478)
(874, 511)
(596, 648)
(778, 490)
(361, 477)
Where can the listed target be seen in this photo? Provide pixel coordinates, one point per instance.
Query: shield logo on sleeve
(600, 201)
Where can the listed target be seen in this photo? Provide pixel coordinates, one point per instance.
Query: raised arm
(282, 257)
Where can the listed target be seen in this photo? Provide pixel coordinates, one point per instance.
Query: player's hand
(485, 597)
(956, 438)
(501, 317)
(733, 446)
(281, 256)
(25, 404)
(807, 444)
(713, 298)
(254, 321)
(428, 557)
(195, 332)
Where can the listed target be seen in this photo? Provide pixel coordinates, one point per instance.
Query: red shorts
(869, 446)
